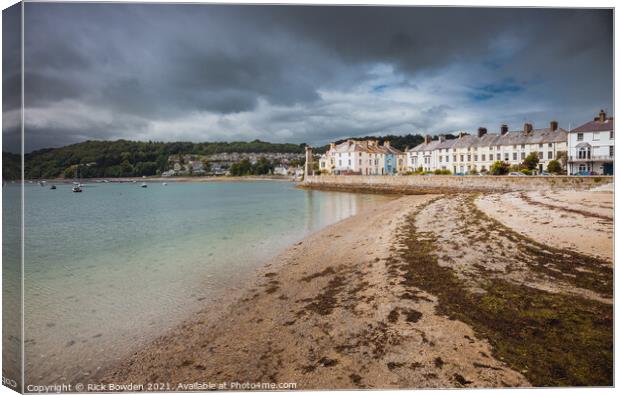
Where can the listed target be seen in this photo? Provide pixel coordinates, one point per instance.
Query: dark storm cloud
(203, 72)
(11, 58)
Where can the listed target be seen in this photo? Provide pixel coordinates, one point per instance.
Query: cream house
(474, 153)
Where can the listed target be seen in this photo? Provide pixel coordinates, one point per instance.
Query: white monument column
(308, 168)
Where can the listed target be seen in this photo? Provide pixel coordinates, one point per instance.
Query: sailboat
(77, 187)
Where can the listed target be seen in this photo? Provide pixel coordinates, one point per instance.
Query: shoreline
(164, 179)
(350, 307)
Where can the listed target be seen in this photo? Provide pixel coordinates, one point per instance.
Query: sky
(301, 73)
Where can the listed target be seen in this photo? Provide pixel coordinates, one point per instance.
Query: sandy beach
(424, 291)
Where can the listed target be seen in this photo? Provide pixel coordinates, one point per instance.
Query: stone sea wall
(435, 183)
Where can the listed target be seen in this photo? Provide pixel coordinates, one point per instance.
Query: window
(522, 155)
(322, 164)
(579, 136)
(540, 145)
(340, 163)
(540, 155)
(550, 155)
(462, 158)
(596, 136)
(440, 158)
(514, 147)
(349, 162)
(453, 158)
(484, 157)
(522, 146)
(611, 135)
(514, 156)
(360, 161)
(506, 156)
(611, 151)
(469, 158)
(499, 156)
(583, 153)
(475, 158)
(550, 145)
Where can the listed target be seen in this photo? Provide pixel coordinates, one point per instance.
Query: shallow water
(110, 268)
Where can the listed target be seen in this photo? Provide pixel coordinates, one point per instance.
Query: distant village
(283, 164)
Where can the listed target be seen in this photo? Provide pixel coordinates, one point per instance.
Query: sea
(109, 269)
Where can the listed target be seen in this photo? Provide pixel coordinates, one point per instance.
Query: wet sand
(406, 296)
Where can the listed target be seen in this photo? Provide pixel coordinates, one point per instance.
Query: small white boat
(164, 184)
(144, 185)
(76, 189)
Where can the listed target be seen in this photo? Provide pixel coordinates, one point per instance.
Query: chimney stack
(332, 146)
(427, 139)
(553, 125)
(442, 138)
(386, 143)
(602, 116)
(527, 128)
(503, 129)
(482, 132)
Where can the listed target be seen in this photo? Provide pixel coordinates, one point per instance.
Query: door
(608, 169)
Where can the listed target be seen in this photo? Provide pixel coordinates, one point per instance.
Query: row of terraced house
(587, 149)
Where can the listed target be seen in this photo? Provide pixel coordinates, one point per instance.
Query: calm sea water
(110, 268)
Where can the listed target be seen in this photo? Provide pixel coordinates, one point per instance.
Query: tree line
(123, 158)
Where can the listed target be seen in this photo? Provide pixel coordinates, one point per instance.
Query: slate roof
(537, 136)
(595, 126)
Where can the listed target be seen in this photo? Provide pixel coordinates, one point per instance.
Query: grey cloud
(147, 63)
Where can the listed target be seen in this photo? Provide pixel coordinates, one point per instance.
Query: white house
(280, 171)
(475, 153)
(591, 147)
(362, 157)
